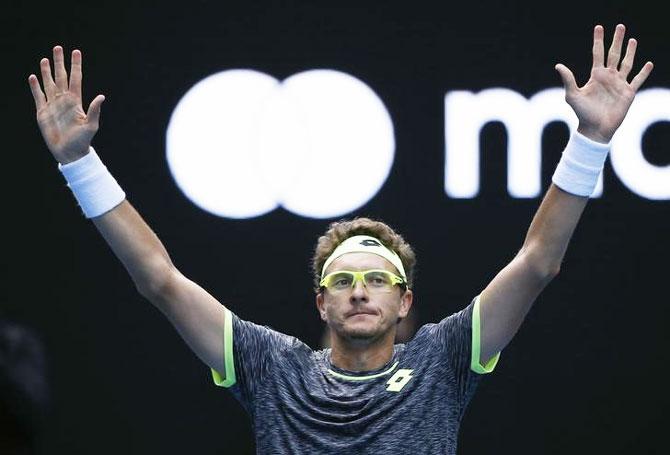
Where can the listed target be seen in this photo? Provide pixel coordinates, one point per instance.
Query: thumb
(568, 78)
(93, 114)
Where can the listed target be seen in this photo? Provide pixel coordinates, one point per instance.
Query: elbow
(552, 271)
(156, 286)
(543, 268)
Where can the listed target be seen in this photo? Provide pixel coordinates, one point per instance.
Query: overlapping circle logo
(241, 143)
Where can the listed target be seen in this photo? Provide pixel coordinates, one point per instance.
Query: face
(356, 314)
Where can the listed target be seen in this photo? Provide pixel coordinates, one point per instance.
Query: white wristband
(95, 189)
(580, 166)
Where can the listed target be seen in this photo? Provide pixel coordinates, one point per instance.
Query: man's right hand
(66, 128)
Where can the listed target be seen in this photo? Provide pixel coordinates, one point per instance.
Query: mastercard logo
(241, 143)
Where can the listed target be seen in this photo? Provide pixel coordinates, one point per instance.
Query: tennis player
(364, 394)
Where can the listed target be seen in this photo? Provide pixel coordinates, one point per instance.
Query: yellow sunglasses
(375, 280)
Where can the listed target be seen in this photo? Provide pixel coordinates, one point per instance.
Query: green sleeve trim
(475, 360)
(229, 361)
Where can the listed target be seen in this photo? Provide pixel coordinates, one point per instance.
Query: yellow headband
(365, 244)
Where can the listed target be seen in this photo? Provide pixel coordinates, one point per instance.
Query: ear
(321, 306)
(406, 303)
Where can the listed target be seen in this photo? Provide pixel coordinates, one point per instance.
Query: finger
(627, 62)
(568, 78)
(93, 114)
(598, 46)
(75, 74)
(38, 95)
(642, 76)
(59, 69)
(47, 80)
(614, 53)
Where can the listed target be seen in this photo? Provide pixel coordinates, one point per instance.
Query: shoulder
(250, 333)
(459, 321)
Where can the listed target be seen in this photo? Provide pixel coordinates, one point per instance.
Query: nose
(359, 293)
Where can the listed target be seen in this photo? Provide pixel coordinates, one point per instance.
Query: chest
(412, 390)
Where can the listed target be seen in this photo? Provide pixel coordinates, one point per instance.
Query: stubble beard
(361, 335)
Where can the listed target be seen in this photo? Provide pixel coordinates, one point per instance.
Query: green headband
(365, 244)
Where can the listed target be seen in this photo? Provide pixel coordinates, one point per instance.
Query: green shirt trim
(475, 361)
(229, 361)
(362, 378)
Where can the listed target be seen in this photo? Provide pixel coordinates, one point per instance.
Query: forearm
(507, 299)
(574, 181)
(104, 202)
(551, 229)
(137, 247)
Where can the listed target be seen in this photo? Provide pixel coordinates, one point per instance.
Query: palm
(66, 128)
(604, 100)
(602, 103)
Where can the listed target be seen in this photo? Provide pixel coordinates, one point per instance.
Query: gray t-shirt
(300, 403)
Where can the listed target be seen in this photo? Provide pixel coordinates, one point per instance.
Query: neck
(361, 356)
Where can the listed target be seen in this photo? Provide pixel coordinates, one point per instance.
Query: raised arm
(68, 131)
(601, 105)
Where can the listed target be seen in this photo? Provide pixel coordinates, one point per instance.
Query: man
(365, 394)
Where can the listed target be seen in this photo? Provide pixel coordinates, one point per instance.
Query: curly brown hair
(339, 231)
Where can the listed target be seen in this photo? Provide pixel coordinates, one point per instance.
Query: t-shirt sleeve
(457, 340)
(249, 351)
(475, 357)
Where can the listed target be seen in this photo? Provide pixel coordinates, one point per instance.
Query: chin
(361, 333)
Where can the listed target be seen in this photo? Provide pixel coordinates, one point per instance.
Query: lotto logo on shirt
(399, 380)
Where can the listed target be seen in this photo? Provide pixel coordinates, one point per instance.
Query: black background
(585, 374)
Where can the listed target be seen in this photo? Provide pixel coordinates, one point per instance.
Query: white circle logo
(240, 143)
